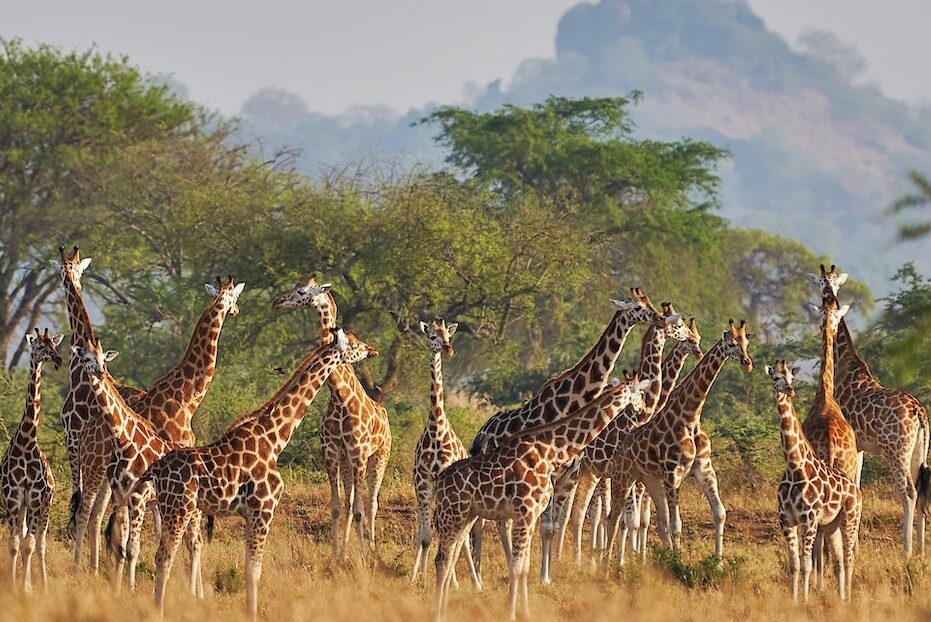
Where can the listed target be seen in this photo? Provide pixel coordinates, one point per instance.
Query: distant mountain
(816, 157)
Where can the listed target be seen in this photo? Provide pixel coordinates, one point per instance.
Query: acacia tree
(58, 112)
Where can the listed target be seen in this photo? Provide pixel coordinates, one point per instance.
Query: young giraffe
(566, 392)
(514, 482)
(650, 368)
(596, 458)
(135, 446)
(238, 473)
(662, 451)
(355, 435)
(812, 496)
(170, 406)
(438, 447)
(889, 422)
(25, 476)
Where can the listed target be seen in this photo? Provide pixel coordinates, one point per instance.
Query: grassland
(300, 581)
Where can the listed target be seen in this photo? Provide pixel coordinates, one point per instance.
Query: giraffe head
(439, 335)
(639, 308)
(783, 378)
(830, 280)
(71, 267)
(307, 293)
(351, 349)
(44, 347)
(676, 328)
(226, 294)
(93, 358)
(631, 390)
(828, 305)
(736, 339)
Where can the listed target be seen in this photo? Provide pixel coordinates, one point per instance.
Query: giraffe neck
(82, 331)
(193, 374)
(795, 446)
(566, 438)
(279, 421)
(826, 388)
(116, 414)
(688, 399)
(437, 422)
(672, 367)
(28, 428)
(650, 367)
(597, 365)
(857, 369)
(327, 314)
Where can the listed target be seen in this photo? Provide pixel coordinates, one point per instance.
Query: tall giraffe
(596, 458)
(812, 495)
(566, 392)
(237, 475)
(888, 422)
(355, 435)
(663, 451)
(25, 476)
(438, 447)
(135, 445)
(170, 406)
(650, 368)
(513, 482)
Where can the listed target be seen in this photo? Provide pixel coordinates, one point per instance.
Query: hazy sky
(405, 53)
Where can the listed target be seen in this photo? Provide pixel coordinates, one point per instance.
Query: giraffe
(813, 496)
(650, 366)
(888, 422)
(355, 435)
(25, 475)
(565, 392)
(170, 406)
(438, 447)
(238, 473)
(135, 445)
(514, 481)
(597, 457)
(662, 451)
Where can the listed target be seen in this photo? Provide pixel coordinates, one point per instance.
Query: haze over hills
(815, 155)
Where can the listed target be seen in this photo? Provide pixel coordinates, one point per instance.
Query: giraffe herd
(585, 444)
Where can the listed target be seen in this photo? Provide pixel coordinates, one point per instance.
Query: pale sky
(405, 53)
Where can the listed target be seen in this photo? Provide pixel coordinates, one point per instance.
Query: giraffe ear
(814, 309)
(56, 264)
(643, 385)
(109, 355)
(615, 381)
(238, 289)
(674, 319)
(57, 339)
(30, 339)
(84, 263)
(342, 342)
(769, 371)
(452, 328)
(325, 287)
(814, 278)
(425, 328)
(796, 370)
(211, 289)
(750, 336)
(842, 278)
(76, 351)
(843, 311)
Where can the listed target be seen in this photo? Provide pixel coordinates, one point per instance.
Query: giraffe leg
(593, 515)
(27, 548)
(475, 537)
(584, 491)
(377, 464)
(137, 507)
(836, 542)
(819, 557)
(632, 517)
(174, 522)
(120, 535)
(450, 529)
(358, 505)
(564, 513)
(809, 530)
(476, 579)
(671, 492)
(504, 532)
(603, 514)
(704, 473)
(644, 526)
(16, 522)
(92, 481)
(332, 464)
(519, 566)
(424, 531)
(859, 468)
(790, 533)
(94, 522)
(349, 494)
(658, 494)
(40, 528)
(908, 496)
(621, 490)
(256, 534)
(194, 544)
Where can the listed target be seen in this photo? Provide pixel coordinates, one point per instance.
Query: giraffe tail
(209, 527)
(73, 509)
(478, 445)
(924, 488)
(113, 548)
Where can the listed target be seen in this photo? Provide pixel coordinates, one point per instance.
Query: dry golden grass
(301, 583)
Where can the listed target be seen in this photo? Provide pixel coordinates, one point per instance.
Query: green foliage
(919, 197)
(709, 573)
(229, 580)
